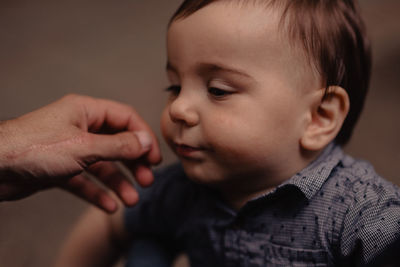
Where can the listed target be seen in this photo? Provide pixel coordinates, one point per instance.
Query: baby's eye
(174, 89)
(218, 93)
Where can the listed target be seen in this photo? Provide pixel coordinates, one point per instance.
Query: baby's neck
(236, 195)
(237, 192)
(238, 201)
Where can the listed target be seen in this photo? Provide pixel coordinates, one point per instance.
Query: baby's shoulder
(369, 206)
(356, 193)
(358, 180)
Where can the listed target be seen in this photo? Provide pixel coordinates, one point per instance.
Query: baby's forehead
(273, 16)
(288, 22)
(243, 36)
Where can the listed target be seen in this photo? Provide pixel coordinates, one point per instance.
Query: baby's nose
(183, 110)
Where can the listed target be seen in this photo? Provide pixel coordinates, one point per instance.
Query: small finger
(112, 177)
(89, 191)
(144, 175)
(141, 172)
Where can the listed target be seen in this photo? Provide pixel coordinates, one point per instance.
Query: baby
(263, 95)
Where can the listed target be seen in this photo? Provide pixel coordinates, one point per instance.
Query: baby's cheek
(220, 131)
(231, 131)
(234, 144)
(240, 141)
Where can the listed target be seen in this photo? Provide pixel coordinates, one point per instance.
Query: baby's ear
(327, 118)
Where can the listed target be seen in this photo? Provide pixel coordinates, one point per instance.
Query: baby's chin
(198, 176)
(205, 176)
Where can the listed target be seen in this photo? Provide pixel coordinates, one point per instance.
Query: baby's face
(240, 96)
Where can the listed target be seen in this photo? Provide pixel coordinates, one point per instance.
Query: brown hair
(333, 35)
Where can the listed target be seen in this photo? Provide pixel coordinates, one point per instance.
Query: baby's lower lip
(187, 151)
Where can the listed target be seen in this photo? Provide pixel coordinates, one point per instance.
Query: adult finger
(118, 116)
(120, 146)
(112, 177)
(91, 192)
(143, 175)
(141, 171)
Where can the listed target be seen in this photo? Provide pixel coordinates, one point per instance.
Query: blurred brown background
(116, 50)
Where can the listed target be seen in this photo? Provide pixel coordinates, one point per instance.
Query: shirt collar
(310, 179)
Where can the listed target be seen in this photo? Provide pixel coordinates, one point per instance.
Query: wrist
(5, 146)
(8, 190)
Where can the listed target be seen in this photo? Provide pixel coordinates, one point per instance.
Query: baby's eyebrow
(212, 67)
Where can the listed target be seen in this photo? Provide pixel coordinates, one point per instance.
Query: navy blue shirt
(336, 211)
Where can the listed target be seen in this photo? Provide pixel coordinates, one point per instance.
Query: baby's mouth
(187, 151)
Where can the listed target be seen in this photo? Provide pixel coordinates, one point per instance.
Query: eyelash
(213, 91)
(218, 93)
(173, 89)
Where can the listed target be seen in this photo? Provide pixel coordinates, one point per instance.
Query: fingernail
(144, 139)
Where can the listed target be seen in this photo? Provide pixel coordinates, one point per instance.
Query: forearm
(93, 242)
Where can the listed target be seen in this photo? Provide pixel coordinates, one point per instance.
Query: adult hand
(54, 145)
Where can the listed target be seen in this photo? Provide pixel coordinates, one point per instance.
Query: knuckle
(76, 98)
(87, 146)
(72, 100)
(71, 97)
(130, 109)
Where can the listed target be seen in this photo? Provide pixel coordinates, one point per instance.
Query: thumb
(120, 146)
